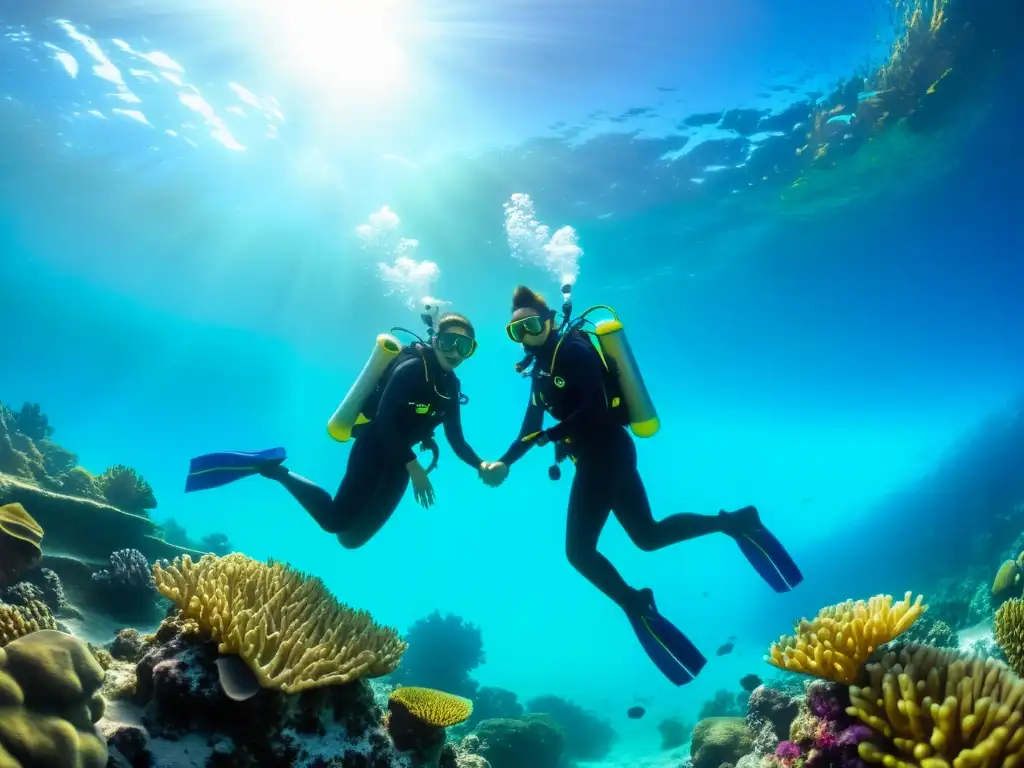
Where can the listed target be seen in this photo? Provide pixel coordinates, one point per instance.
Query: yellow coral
(19, 620)
(49, 702)
(1009, 632)
(841, 637)
(934, 709)
(432, 707)
(1006, 579)
(285, 625)
(19, 524)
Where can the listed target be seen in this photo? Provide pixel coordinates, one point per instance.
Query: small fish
(635, 713)
(750, 682)
(726, 647)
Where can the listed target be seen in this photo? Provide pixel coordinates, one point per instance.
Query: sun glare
(349, 47)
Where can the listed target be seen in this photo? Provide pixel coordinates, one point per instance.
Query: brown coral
(20, 620)
(1006, 579)
(934, 709)
(49, 703)
(21, 539)
(288, 628)
(835, 644)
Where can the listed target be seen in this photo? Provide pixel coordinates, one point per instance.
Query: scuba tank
(349, 413)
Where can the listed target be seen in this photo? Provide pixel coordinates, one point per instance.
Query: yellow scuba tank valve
(614, 346)
(349, 413)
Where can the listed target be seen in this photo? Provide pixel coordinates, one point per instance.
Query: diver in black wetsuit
(606, 479)
(420, 393)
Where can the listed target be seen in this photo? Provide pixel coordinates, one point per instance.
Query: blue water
(186, 275)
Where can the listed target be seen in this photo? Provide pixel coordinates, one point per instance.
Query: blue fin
(769, 558)
(213, 470)
(670, 650)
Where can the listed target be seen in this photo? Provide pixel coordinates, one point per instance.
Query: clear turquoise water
(186, 276)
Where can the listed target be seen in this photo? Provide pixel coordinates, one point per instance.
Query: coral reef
(719, 740)
(586, 736)
(929, 630)
(286, 626)
(674, 732)
(842, 637)
(417, 718)
(491, 703)
(772, 707)
(21, 540)
(533, 740)
(20, 620)
(443, 650)
(50, 590)
(1009, 632)
(216, 543)
(176, 686)
(86, 529)
(931, 707)
(126, 589)
(49, 703)
(725, 704)
(126, 489)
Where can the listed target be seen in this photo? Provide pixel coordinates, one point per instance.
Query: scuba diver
(402, 395)
(594, 390)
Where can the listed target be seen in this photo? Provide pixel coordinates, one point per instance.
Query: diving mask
(519, 329)
(464, 345)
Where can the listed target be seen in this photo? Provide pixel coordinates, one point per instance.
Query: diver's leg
(633, 510)
(363, 522)
(358, 487)
(589, 508)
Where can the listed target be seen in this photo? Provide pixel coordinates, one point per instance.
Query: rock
(127, 646)
(131, 742)
(718, 740)
(85, 529)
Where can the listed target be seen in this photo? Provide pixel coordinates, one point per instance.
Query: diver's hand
(494, 473)
(421, 487)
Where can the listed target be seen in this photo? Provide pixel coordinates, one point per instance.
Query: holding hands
(493, 473)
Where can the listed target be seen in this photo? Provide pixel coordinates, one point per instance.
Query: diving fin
(213, 470)
(765, 552)
(670, 650)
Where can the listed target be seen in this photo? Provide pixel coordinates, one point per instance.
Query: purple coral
(129, 569)
(826, 700)
(787, 750)
(854, 735)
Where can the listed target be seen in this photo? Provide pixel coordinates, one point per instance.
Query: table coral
(417, 718)
(49, 703)
(835, 643)
(936, 708)
(285, 625)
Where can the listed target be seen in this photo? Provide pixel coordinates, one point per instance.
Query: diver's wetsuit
(417, 398)
(607, 479)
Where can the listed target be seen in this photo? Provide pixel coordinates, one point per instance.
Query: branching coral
(1009, 632)
(286, 626)
(842, 637)
(126, 489)
(129, 571)
(934, 708)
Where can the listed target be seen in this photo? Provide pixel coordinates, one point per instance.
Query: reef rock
(84, 529)
(176, 700)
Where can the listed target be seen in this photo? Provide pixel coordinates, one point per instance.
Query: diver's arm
(398, 392)
(586, 372)
(457, 440)
(533, 422)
